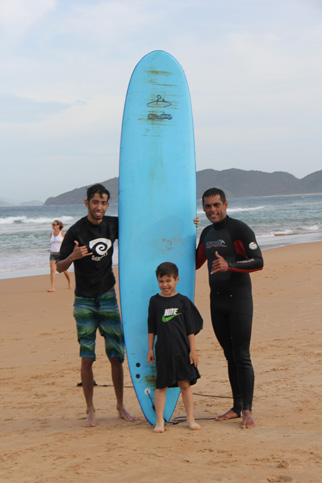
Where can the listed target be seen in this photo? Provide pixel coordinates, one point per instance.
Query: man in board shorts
(89, 245)
(231, 249)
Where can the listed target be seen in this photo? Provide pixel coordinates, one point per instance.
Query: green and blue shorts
(100, 313)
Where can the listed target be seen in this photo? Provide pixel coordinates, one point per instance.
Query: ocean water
(276, 221)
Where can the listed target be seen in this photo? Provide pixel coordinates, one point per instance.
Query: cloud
(16, 109)
(17, 16)
(254, 69)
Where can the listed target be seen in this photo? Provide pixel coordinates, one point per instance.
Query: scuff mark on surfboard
(161, 84)
(158, 72)
(168, 245)
(150, 379)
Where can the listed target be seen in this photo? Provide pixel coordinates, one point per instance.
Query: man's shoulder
(110, 225)
(206, 229)
(81, 221)
(110, 219)
(78, 224)
(233, 222)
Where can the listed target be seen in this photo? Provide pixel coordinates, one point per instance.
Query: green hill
(236, 183)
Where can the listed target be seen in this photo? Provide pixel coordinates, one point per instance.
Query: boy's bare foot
(231, 414)
(124, 414)
(193, 425)
(90, 420)
(51, 290)
(158, 428)
(248, 421)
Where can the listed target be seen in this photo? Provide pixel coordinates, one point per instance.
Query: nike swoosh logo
(167, 319)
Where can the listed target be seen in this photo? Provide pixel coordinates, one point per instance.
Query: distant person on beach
(232, 252)
(175, 320)
(89, 245)
(56, 239)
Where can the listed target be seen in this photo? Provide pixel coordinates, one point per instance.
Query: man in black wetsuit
(231, 249)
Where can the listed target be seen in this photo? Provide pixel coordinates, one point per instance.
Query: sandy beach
(42, 433)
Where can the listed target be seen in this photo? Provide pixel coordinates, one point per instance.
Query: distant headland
(236, 183)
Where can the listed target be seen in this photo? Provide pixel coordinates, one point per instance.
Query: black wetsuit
(231, 299)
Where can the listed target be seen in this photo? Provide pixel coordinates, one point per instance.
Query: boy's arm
(151, 353)
(193, 352)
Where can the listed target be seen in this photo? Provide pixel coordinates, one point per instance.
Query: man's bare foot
(90, 420)
(51, 290)
(124, 414)
(193, 425)
(231, 414)
(248, 421)
(158, 428)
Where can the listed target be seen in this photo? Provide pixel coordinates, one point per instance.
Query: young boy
(175, 320)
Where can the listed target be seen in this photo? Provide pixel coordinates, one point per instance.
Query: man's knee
(116, 361)
(87, 362)
(243, 360)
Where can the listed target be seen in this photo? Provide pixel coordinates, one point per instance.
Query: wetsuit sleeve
(249, 256)
(201, 256)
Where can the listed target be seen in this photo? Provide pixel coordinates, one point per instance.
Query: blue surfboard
(157, 204)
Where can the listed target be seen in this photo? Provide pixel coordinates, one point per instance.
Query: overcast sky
(254, 69)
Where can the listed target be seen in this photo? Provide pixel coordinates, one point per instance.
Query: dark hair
(214, 192)
(97, 188)
(167, 268)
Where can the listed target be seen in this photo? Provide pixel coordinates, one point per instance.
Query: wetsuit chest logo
(216, 244)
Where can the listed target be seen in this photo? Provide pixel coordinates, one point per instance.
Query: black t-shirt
(93, 274)
(172, 319)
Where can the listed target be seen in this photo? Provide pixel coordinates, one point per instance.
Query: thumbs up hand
(219, 265)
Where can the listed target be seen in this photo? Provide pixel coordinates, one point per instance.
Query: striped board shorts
(100, 313)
